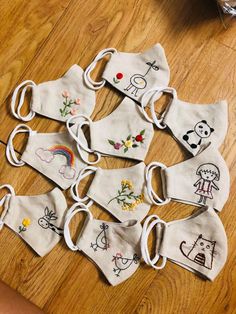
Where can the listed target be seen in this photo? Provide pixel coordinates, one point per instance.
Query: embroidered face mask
(122, 192)
(132, 73)
(59, 99)
(194, 126)
(53, 154)
(38, 220)
(113, 247)
(124, 133)
(201, 180)
(197, 243)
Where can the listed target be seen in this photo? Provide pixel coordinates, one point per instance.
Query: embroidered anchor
(45, 223)
(138, 81)
(101, 240)
(123, 263)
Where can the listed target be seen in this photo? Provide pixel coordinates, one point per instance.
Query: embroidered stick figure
(45, 223)
(208, 174)
(123, 263)
(101, 240)
(138, 81)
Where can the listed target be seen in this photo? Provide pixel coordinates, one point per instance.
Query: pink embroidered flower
(77, 101)
(117, 146)
(66, 94)
(119, 76)
(73, 111)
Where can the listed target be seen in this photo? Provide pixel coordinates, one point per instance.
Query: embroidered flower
(118, 77)
(126, 197)
(130, 142)
(117, 146)
(25, 223)
(67, 105)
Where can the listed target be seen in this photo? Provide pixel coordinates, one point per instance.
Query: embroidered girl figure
(208, 174)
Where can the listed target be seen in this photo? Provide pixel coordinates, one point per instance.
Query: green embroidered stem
(21, 229)
(67, 105)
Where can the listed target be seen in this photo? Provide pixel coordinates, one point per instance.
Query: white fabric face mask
(201, 180)
(122, 192)
(59, 99)
(124, 133)
(53, 154)
(197, 243)
(132, 73)
(113, 247)
(193, 125)
(38, 220)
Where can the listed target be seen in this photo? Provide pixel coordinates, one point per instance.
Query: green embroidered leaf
(134, 145)
(111, 142)
(129, 197)
(129, 137)
(126, 149)
(123, 142)
(61, 111)
(118, 201)
(131, 193)
(142, 132)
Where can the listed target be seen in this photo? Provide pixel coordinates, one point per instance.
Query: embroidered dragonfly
(45, 223)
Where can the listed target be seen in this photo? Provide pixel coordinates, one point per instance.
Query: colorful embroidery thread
(125, 195)
(25, 223)
(101, 241)
(130, 142)
(45, 223)
(47, 155)
(67, 108)
(122, 263)
(117, 78)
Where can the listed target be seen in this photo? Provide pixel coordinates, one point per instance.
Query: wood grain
(40, 40)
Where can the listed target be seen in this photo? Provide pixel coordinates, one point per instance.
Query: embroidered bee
(45, 223)
(101, 240)
(123, 263)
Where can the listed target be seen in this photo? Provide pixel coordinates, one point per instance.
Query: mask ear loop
(10, 151)
(75, 186)
(76, 208)
(154, 94)
(3, 200)
(80, 144)
(87, 77)
(147, 228)
(148, 174)
(16, 111)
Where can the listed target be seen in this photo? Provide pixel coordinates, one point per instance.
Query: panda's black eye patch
(200, 127)
(206, 132)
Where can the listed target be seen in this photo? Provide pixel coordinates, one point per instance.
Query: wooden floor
(40, 40)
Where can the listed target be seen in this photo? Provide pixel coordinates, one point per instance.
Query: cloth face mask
(193, 125)
(113, 247)
(59, 99)
(53, 154)
(38, 220)
(122, 192)
(132, 73)
(124, 133)
(197, 243)
(201, 180)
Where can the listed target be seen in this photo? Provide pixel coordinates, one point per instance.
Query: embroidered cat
(201, 252)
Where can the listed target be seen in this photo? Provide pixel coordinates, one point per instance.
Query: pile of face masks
(197, 243)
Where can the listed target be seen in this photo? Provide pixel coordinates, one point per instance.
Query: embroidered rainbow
(64, 151)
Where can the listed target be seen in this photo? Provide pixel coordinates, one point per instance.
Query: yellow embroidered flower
(127, 183)
(128, 144)
(26, 222)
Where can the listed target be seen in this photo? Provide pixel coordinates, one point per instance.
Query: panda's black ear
(212, 130)
(204, 121)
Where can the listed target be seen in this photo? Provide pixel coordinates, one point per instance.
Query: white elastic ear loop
(3, 199)
(87, 77)
(75, 186)
(16, 111)
(153, 96)
(80, 144)
(10, 151)
(76, 208)
(144, 242)
(152, 195)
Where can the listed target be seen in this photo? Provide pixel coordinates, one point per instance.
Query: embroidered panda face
(202, 129)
